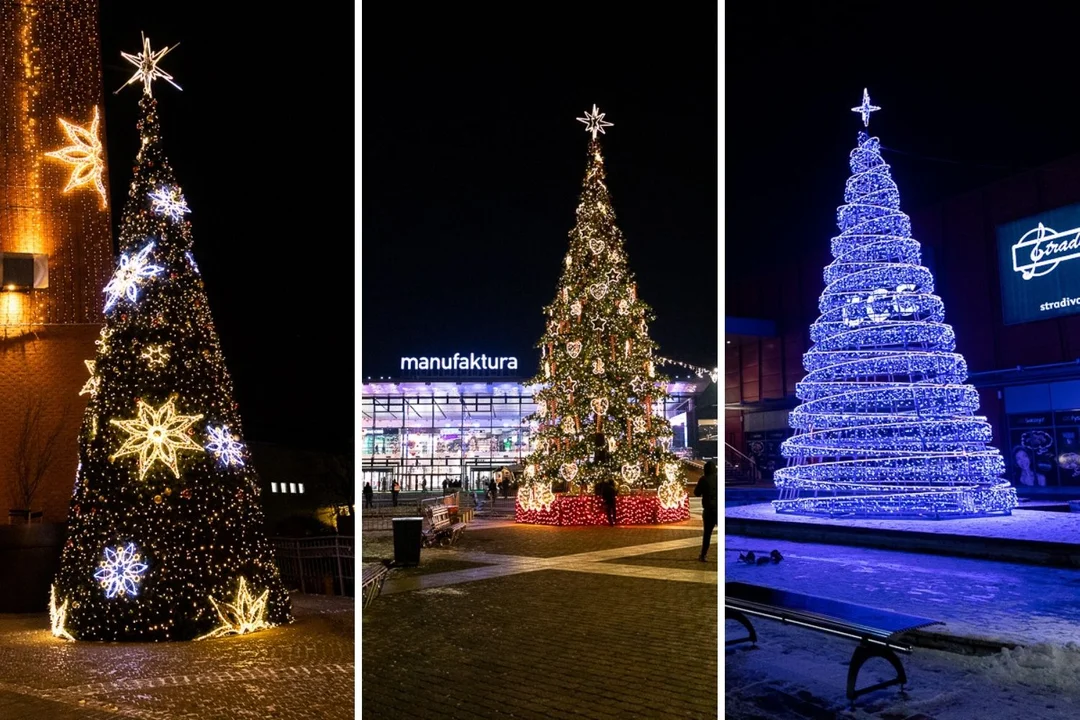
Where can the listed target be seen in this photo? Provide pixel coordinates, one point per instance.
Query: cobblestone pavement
(300, 671)
(555, 625)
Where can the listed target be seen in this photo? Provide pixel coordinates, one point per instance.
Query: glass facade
(422, 433)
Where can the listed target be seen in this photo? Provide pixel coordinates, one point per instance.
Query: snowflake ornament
(85, 153)
(156, 434)
(156, 356)
(93, 383)
(121, 571)
(169, 202)
(131, 273)
(225, 446)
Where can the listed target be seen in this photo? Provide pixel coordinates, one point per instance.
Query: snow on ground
(1026, 604)
(1022, 524)
(798, 673)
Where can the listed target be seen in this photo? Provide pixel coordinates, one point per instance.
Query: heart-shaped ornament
(599, 290)
(597, 246)
(568, 471)
(574, 348)
(631, 473)
(600, 405)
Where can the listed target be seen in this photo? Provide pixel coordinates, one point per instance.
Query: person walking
(608, 493)
(369, 495)
(706, 490)
(493, 490)
(394, 490)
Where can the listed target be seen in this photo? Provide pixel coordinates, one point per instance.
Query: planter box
(29, 559)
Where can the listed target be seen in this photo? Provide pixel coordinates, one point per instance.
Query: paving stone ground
(554, 625)
(297, 672)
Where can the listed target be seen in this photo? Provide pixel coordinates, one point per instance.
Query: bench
(373, 577)
(876, 631)
(441, 529)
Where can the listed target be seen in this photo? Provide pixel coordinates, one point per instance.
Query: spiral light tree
(887, 426)
(597, 407)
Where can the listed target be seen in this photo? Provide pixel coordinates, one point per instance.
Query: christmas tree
(887, 426)
(599, 393)
(165, 531)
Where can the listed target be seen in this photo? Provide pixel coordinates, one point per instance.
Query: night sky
(968, 96)
(473, 163)
(261, 140)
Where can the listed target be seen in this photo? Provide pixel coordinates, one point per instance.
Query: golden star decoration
(85, 154)
(156, 434)
(245, 614)
(58, 616)
(147, 64)
(93, 382)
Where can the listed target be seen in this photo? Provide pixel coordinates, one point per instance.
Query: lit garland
(701, 372)
(886, 426)
(566, 510)
(598, 387)
(192, 507)
(245, 614)
(121, 571)
(86, 154)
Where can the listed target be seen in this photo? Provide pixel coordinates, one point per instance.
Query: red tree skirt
(589, 510)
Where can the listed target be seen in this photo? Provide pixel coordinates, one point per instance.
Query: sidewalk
(302, 671)
(542, 622)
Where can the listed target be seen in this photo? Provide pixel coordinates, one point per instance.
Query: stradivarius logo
(1042, 249)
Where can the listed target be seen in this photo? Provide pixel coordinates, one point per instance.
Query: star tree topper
(595, 122)
(85, 154)
(156, 434)
(147, 64)
(866, 108)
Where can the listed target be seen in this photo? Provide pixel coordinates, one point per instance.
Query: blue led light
(887, 427)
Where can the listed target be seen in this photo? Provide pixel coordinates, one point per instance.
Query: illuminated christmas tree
(165, 529)
(599, 407)
(887, 425)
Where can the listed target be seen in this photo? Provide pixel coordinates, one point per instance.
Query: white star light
(148, 70)
(245, 614)
(85, 154)
(169, 202)
(225, 446)
(866, 108)
(156, 434)
(91, 386)
(125, 282)
(121, 571)
(594, 122)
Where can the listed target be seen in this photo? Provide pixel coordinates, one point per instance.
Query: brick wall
(48, 365)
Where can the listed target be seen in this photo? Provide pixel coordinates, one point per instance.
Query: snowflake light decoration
(191, 259)
(121, 571)
(58, 616)
(245, 614)
(224, 446)
(156, 356)
(85, 153)
(129, 275)
(156, 434)
(93, 382)
(169, 202)
(594, 122)
(147, 64)
(103, 340)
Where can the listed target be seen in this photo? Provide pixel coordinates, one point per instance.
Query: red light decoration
(589, 510)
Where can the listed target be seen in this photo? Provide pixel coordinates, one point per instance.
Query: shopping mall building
(445, 419)
(1006, 263)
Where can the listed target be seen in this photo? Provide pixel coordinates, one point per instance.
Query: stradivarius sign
(472, 361)
(1039, 262)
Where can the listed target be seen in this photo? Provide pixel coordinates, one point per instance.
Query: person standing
(394, 490)
(706, 490)
(369, 495)
(493, 490)
(608, 493)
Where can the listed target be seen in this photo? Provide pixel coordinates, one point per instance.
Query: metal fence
(320, 565)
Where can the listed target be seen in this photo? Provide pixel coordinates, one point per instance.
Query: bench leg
(738, 617)
(863, 653)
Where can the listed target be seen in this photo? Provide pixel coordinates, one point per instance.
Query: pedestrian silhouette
(706, 490)
(368, 495)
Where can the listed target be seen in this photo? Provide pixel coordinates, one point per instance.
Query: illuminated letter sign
(472, 361)
(1040, 266)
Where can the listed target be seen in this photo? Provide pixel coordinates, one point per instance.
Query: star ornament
(866, 108)
(121, 571)
(156, 434)
(94, 382)
(148, 70)
(224, 446)
(169, 202)
(245, 614)
(594, 122)
(129, 275)
(85, 153)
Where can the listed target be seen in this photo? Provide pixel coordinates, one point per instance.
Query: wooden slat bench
(373, 577)
(441, 529)
(876, 631)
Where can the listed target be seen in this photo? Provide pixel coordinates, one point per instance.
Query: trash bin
(408, 533)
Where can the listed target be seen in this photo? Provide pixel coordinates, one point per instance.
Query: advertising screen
(1039, 264)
